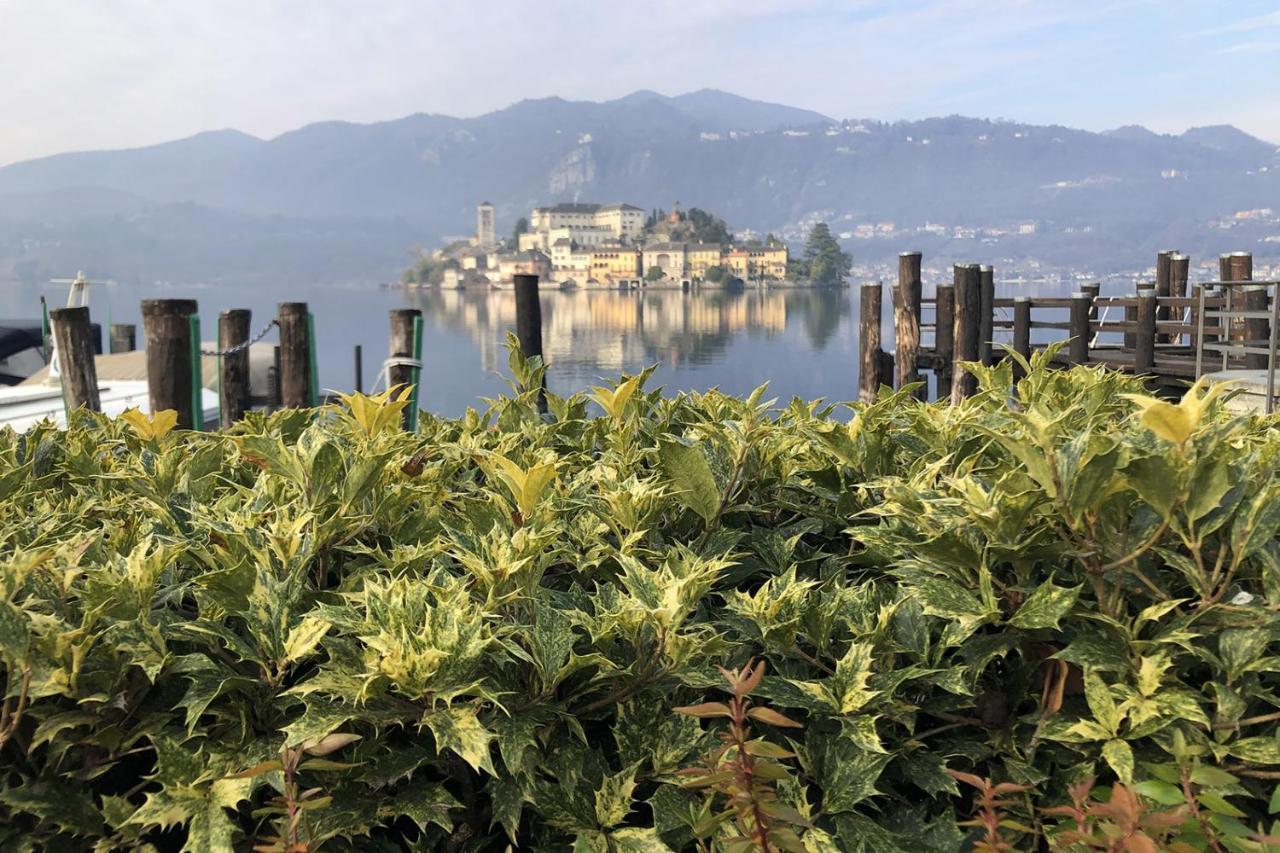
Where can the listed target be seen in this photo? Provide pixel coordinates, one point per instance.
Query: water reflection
(802, 341)
(609, 332)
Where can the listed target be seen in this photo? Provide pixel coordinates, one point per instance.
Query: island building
(600, 243)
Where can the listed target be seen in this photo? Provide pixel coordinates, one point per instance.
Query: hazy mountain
(224, 203)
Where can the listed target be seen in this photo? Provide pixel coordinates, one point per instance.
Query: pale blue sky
(77, 74)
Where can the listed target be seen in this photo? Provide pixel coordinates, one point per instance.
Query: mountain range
(337, 201)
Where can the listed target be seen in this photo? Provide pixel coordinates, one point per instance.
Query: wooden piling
(73, 337)
(402, 320)
(944, 338)
(906, 315)
(529, 323)
(1078, 346)
(869, 347)
(359, 386)
(166, 331)
(295, 355)
(1021, 329)
(1257, 330)
(1179, 275)
(1144, 352)
(1162, 288)
(987, 285)
(967, 328)
(233, 368)
(1092, 290)
(124, 337)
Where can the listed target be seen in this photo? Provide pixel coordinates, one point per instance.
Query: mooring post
(233, 369)
(1078, 347)
(401, 374)
(1144, 352)
(166, 331)
(359, 369)
(1253, 297)
(944, 342)
(968, 328)
(295, 355)
(1179, 273)
(1163, 281)
(906, 316)
(1092, 290)
(124, 337)
(987, 283)
(73, 337)
(529, 324)
(1021, 329)
(869, 346)
(401, 346)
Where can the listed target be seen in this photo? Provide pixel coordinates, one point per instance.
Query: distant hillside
(359, 194)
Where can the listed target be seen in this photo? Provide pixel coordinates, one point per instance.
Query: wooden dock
(1158, 331)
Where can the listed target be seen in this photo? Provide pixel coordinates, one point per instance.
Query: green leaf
(1046, 606)
(1120, 757)
(613, 797)
(15, 637)
(686, 465)
(1162, 792)
(1101, 703)
(849, 684)
(458, 728)
(1258, 750)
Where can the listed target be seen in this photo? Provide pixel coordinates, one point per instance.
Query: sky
(91, 74)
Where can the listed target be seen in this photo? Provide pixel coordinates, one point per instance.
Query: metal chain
(242, 346)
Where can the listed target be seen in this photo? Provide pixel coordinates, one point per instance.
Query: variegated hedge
(319, 631)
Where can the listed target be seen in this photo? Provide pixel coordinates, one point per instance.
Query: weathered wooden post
(1144, 352)
(1179, 274)
(906, 315)
(1092, 290)
(295, 355)
(869, 346)
(1078, 347)
(124, 337)
(166, 331)
(1021, 329)
(400, 369)
(1163, 280)
(73, 338)
(944, 338)
(401, 350)
(987, 283)
(968, 328)
(529, 324)
(1253, 297)
(233, 370)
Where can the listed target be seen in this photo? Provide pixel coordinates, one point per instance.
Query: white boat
(24, 406)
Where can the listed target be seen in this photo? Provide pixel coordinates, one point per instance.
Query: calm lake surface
(802, 341)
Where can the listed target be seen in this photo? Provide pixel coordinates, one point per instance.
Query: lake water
(802, 341)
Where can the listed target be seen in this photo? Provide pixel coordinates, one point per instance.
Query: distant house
(523, 263)
(668, 257)
(614, 262)
(754, 262)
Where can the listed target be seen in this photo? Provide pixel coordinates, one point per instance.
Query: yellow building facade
(757, 262)
(610, 263)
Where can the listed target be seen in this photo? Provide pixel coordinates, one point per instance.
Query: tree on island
(715, 274)
(654, 274)
(522, 227)
(824, 260)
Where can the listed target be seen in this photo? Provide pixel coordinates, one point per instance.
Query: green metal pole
(311, 359)
(416, 374)
(197, 375)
